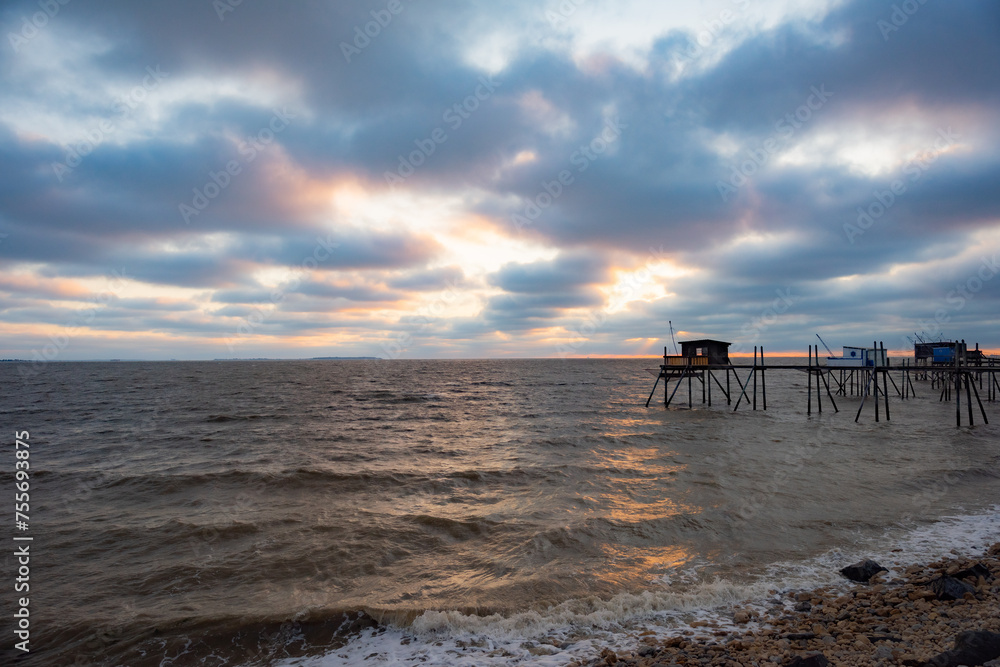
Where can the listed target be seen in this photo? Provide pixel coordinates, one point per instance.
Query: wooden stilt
(819, 400)
(690, 403)
(958, 392)
(743, 389)
(677, 386)
(885, 375)
(729, 400)
(654, 387)
(809, 394)
(763, 379)
(982, 410)
(835, 408)
(864, 395)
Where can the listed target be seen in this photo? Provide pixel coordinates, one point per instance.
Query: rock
(741, 617)
(609, 656)
(971, 648)
(974, 572)
(863, 571)
(813, 660)
(950, 588)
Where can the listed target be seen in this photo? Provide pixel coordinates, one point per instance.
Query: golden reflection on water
(639, 565)
(641, 495)
(641, 481)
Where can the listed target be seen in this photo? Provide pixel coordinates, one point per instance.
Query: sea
(454, 512)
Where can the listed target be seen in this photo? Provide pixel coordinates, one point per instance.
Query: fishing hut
(943, 353)
(955, 367)
(703, 361)
(855, 368)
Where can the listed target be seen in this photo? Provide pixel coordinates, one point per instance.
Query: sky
(203, 179)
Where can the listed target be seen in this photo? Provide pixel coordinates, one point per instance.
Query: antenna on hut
(672, 336)
(825, 345)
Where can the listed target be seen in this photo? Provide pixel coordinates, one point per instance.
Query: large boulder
(813, 660)
(971, 648)
(974, 572)
(950, 588)
(862, 571)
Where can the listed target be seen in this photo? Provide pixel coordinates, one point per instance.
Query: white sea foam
(579, 629)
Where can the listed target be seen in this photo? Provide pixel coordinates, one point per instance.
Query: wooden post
(958, 391)
(819, 399)
(754, 377)
(677, 386)
(968, 382)
(979, 362)
(690, 402)
(809, 394)
(763, 380)
(902, 378)
(835, 408)
(885, 374)
(862, 394)
(708, 379)
(654, 387)
(875, 378)
(729, 394)
(743, 389)
(982, 410)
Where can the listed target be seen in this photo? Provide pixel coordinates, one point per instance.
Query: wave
(576, 629)
(215, 419)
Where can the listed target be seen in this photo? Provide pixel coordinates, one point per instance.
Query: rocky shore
(943, 614)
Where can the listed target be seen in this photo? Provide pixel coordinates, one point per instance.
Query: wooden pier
(703, 363)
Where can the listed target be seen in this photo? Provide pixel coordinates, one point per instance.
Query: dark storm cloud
(566, 273)
(650, 187)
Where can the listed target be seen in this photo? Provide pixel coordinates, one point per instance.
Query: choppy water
(482, 512)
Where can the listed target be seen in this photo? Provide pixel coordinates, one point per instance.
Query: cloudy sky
(408, 178)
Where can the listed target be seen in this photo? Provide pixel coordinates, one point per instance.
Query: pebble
(894, 622)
